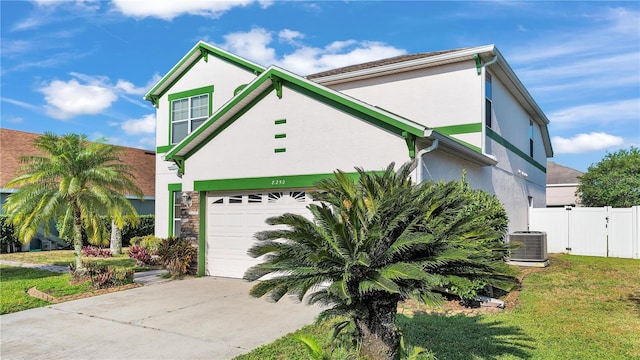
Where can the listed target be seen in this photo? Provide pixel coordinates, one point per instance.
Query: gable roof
(560, 174)
(201, 50)
(274, 78)
(14, 144)
(378, 63)
(488, 55)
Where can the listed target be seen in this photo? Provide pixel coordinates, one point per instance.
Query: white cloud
(19, 103)
(66, 99)
(256, 46)
(143, 125)
(170, 9)
(623, 110)
(583, 143)
(86, 95)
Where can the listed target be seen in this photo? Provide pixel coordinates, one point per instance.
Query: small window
(488, 100)
(299, 196)
(188, 110)
(274, 197)
(235, 199)
(218, 201)
(530, 138)
(254, 198)
(177, 216)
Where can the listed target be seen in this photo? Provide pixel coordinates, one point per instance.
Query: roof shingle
(14, 144)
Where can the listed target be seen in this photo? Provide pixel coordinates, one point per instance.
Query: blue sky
(83, 66)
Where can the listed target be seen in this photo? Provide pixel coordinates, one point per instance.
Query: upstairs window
(530, 138)
(189, 109)
(487, 100)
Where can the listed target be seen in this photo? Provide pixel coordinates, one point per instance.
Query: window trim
(173, 188)
(488, 100)
(531, 136)
(188, 94)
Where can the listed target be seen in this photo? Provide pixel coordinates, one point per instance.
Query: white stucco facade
(283, 131)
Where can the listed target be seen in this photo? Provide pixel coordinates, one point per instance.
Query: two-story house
(238, 142)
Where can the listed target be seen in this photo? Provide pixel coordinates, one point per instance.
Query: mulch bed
(452, 305)
(55, 300)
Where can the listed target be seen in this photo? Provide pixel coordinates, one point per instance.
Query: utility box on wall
(532, 246)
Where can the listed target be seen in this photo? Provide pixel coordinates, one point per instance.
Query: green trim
(201, 49)
(238, 89)
(172, 188)
(205, 55)
(277, 85)
(202, 234)
(411, 143)
(179, 160)
(193, 92)
(269, 182)
(349, 106)
(502, 141)
(280, 150)
(163, 149)
(460, 129)
(221, 128)
(317, 92)
(476, 57)
(187, 94)
(280, 136)
(280, 122)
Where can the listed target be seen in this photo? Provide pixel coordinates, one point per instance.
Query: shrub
(140, 255)
(101, 276)
(93, 251)
(8, 240)
(145, 226)
(176, 255)
(148, 242)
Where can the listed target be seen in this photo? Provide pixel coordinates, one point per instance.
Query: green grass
(578, 308)
(66, 257)
(15, 281)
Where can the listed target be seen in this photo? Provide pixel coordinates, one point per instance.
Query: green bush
(176, 255)
(148, 242)
(8, 239)
(146, 226)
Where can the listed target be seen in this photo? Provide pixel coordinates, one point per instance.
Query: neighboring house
(562, 184)
(238, 142)
(14, 144)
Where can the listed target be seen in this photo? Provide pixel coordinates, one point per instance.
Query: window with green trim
(176, 213)
(488, 99)
(189, 110)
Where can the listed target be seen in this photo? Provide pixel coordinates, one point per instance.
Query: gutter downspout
(434, 145)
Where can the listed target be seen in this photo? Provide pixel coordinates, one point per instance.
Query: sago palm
(374, 242)
(73, 183)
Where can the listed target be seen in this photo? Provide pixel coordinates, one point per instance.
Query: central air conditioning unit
(532, 246)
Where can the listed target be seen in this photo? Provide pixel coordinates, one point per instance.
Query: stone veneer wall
(190, 226)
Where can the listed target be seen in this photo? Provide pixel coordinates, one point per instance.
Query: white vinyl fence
(600, 231)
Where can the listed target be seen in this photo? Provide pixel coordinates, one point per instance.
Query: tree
(377, 241)
(614, 181)
(74, 183)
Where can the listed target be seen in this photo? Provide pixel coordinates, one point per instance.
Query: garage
(234, 217)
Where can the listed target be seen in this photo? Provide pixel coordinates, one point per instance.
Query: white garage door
(233, 219)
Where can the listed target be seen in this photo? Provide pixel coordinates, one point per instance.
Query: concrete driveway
(200, 318)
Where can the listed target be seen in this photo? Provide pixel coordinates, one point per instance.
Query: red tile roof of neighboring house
(382, 62)
(14, 144)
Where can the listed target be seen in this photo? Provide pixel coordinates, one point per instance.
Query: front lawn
(15, 281)
(578, 308)
(66, 257)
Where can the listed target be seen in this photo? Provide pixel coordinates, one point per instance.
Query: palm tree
(75, 183)
(375, 242)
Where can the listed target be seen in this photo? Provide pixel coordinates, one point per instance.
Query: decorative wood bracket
(155, 100)
(411, 143)
(277, 84)
(476, 57)
(180, 162)
(205, 54)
